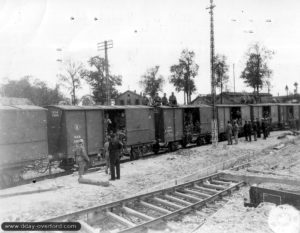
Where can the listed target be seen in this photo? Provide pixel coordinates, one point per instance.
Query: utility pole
(105, 45)
(214, 129)
(233, 78)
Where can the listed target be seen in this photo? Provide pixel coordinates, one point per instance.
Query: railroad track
(140, 212)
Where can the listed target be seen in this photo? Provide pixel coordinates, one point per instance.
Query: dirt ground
(66, 195)
(234, 217)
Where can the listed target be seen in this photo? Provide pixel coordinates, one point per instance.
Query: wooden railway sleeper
(213, 186)
(187, 196)
(172, 198)
(214, 191)
(137, 213)
(154, 207)
(219, 182)
(202, 195)
(120, 219)
(167, 203)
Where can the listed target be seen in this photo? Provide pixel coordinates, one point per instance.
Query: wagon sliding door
(245, 113)
(139, 125)
(94, 131)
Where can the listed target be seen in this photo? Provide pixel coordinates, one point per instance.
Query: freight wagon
(23, 140)
(181, 125)
(289, 115)
(231, 112)
(265, 110)
(68, 124)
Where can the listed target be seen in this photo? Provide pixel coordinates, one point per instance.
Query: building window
(121, 102)
(137, 102)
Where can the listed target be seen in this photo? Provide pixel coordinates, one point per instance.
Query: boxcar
(182, 124)
(266, 110)
(168, 126)
(23, 139)
(68, 124)
(289, 115)
(230, 112)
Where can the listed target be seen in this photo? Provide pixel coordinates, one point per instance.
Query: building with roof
(129, 98)
(14, 101)
(235, 98)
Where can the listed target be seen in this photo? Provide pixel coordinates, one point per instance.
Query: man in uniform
(254, 128)
(106, 153)
(164, 100)
(145, 100)
(235, 129)
(258, 128)
(114, 149)
(156, 100)
(172, 100)
(229, 133)
(264, 128)
(246, 130)
(81, 157)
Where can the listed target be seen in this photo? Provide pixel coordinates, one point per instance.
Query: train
(31, 135)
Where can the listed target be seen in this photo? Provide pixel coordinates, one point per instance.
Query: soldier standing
(235, 129)
(114, 148)
(229, 133)
(249, 131)
(172, 100)
(254, 127)
(164, 100)
(81, 157)
(258, 128)
(264, 128)
(246, 130)
(106, 154)
(156, 100)
(145, 100)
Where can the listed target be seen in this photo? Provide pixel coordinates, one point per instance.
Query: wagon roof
(289, 104)
(97, 107)
(264, 104)
(231, 105)
(21, 107)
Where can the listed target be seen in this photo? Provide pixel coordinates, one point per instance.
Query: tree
(37, 91)
(221, 69)
(151, 81)
(296, 88)
(287, 90)
(97, 80)
(257, 71)
(182, 74)
(71, 78)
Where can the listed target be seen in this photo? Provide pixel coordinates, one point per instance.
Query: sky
(145, 34)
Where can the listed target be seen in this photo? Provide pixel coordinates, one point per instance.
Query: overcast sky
(147, 33)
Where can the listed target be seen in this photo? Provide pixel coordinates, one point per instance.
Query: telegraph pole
(214, 128)
(105, 45)
(233, 77)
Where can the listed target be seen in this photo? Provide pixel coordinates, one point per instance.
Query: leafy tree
(71, 78)
(37, 91)
(221, 69)
(287, 90)
(97, 80)
(296, 87)
(151, 81)
(182, 74)
(257, 71)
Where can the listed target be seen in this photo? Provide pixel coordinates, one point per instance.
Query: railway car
(68, 124)
(23, 140)
(230, 112)
(266, 110)
(181, 125)
(289, 115)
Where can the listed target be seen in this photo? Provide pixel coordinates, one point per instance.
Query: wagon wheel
(172, 146)
(184, 142)
(199, 141)
(135, 153)
(156, 148)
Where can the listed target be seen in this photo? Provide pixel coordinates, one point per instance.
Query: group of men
(158, 101)
(255, 128)
(112, 153)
